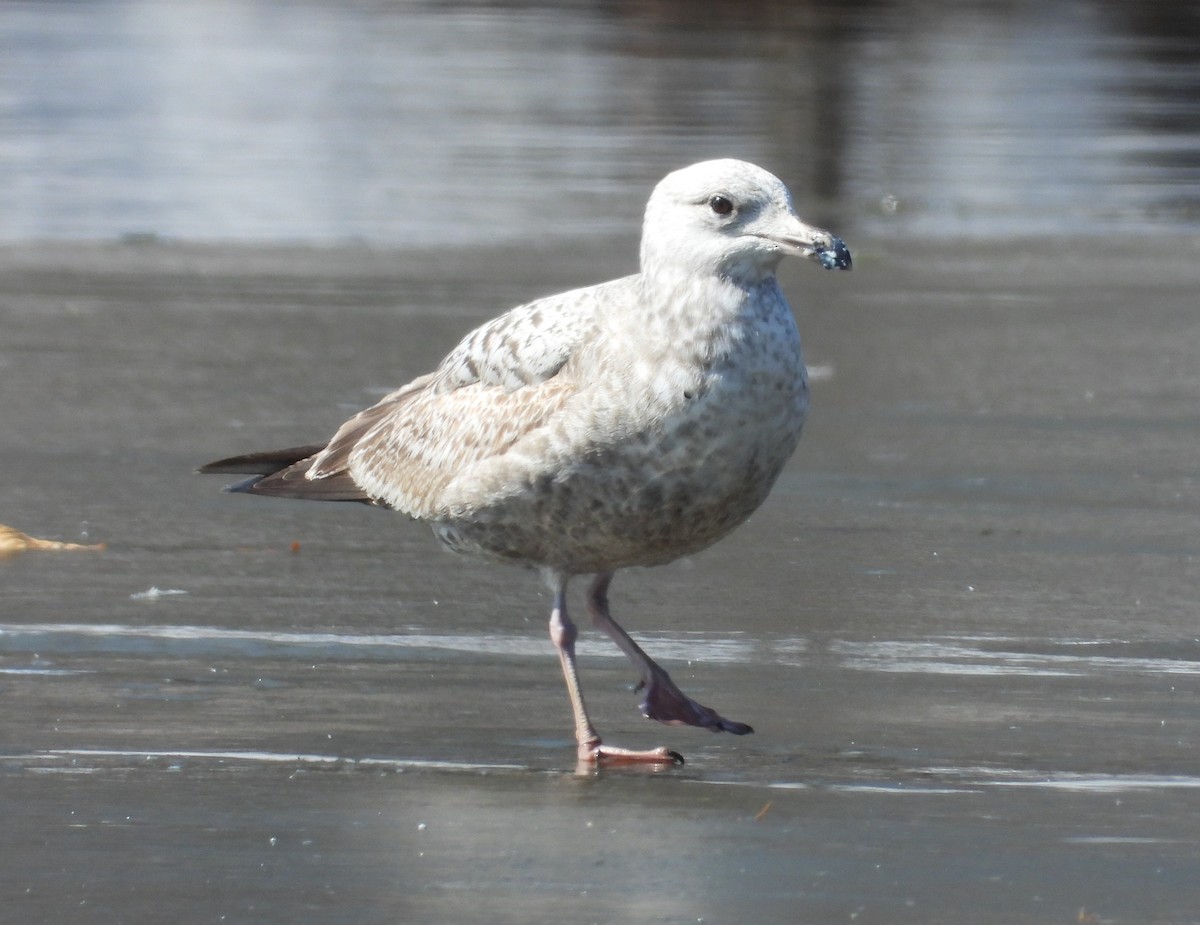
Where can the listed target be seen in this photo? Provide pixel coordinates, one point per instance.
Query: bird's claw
(595, 753)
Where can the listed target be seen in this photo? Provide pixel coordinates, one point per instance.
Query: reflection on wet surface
(923, 781)
(986, 655)
(204, 641)
(965, 655)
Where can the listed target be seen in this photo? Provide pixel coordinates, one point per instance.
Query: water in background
(410, 123)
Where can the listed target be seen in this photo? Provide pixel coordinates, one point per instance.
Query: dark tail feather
(281, 474)
(266, 463)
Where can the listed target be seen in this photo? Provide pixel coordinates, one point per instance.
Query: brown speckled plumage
(628, 423)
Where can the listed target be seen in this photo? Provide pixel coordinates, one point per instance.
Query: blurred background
(403, 123)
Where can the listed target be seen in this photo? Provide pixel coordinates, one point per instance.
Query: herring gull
(628, 423)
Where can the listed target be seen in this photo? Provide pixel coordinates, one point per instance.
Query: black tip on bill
(835, 255)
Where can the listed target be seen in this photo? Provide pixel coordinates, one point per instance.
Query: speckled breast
(660, 484)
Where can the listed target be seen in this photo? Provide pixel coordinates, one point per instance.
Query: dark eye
(722, 205)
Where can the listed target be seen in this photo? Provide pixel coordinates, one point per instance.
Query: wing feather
(499, 384)
(409, 458)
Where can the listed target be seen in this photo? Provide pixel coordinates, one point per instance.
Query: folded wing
(502, 382)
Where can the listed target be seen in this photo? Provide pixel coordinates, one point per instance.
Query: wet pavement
(964, 626)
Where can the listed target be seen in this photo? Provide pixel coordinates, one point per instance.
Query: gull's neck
(683, 298)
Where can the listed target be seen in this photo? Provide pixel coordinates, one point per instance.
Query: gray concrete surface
(964, 626)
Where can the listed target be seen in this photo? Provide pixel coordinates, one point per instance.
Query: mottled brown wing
(499, 384)
(409, 457)
(333, 459)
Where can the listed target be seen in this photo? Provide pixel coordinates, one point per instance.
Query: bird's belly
(657, 493)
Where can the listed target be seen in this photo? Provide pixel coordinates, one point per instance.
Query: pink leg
(662, 699)
(587, 740)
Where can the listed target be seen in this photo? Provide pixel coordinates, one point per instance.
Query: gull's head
(733, 219)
